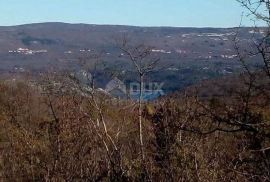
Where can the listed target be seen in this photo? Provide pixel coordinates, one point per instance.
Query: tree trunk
(140, 116)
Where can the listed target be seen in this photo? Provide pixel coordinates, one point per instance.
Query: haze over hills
(208, 52)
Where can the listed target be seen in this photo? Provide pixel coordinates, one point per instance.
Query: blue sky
(180, 13)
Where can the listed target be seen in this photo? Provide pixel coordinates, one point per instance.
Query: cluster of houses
(161, 51)
(27, 51)
(229, 56)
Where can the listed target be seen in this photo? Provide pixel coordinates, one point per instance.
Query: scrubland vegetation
(57, 129)
(54, 133)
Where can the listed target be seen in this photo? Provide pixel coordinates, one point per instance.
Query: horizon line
(129, 25)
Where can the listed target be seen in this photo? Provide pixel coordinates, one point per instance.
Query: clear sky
(180, 13)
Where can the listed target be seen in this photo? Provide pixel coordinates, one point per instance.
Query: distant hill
(194, 53)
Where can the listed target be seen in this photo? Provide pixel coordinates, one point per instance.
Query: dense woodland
(57, 129)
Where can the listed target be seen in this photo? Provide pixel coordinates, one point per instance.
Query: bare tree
(259, 11)
(144, 63)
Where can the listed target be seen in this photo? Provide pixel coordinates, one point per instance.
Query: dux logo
(116, 84)
(151, 90)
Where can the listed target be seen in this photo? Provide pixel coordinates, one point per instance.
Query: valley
(208, 52)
